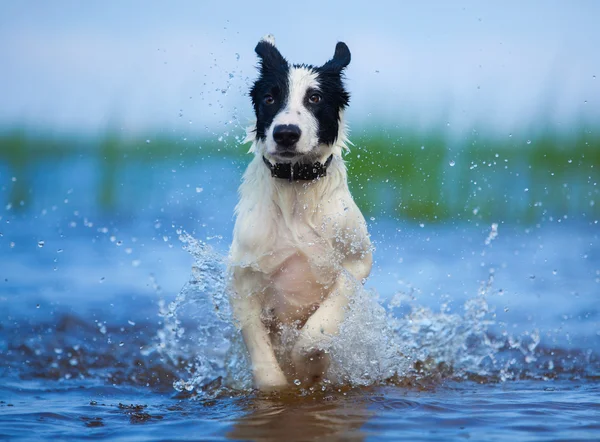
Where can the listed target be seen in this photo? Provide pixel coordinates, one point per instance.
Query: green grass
(417, 176)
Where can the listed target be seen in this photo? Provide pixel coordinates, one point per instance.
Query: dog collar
(297, 171)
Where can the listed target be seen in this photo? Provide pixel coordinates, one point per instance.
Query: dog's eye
(269, 99)
(315, 98)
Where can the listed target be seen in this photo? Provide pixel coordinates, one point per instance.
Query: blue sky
(185, 66)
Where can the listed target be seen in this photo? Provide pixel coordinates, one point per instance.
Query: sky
(186, 66)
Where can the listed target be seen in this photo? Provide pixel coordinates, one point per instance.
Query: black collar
(297, 171)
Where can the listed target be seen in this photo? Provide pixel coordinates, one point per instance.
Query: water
(118, 326)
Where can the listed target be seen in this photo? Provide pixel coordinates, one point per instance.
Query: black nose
(286, 134)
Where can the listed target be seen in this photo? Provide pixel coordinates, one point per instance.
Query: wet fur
(299, 248)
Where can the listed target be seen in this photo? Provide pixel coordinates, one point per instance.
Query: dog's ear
(270, 57)
(341, 59)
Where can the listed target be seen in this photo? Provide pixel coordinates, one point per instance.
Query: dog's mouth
(292, 154)
(287, 154)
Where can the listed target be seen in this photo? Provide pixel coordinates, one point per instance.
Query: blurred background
(120, 127)
(459, 111)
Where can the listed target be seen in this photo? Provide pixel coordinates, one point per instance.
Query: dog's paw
(310, 364)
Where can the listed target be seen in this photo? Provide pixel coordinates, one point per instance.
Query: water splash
(198, 334)
(492, 235)
(367, 349)
(375, 343)
(462, 342)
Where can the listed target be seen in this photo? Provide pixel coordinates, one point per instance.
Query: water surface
(109, 329)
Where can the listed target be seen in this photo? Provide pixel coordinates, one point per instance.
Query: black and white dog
(300, 245)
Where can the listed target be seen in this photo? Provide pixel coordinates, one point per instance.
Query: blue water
(109, 328)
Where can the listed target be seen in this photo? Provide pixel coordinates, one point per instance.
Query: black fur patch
(273, 80)
(335, 96)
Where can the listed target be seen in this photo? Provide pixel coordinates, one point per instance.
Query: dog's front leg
(247, 308)
(309, 357)
(265, 368)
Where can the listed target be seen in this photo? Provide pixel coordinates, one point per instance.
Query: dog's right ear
(270, 57)
(341, 59)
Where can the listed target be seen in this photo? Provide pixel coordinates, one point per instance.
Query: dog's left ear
(341, 59)
(270, 57)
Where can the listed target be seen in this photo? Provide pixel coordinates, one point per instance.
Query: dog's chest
(299, 245)
(296, 289)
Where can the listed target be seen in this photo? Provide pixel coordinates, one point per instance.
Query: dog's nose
(286, 134)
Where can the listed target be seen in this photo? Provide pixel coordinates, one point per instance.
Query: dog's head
(298, 107)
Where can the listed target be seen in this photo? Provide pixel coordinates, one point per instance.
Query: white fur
(295, 112)
(299, 249)
(269, 38)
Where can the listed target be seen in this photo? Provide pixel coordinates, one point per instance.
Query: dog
(300, 244)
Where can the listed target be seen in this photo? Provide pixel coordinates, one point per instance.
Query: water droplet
(101, 280)
(147, 141)
(199, 189)
(452, 163)
(41, 244)
(528, 141)
(37, 306)
(237, 56)
(297, 381)
(554, 272)
(372, 218)
(121, 344)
